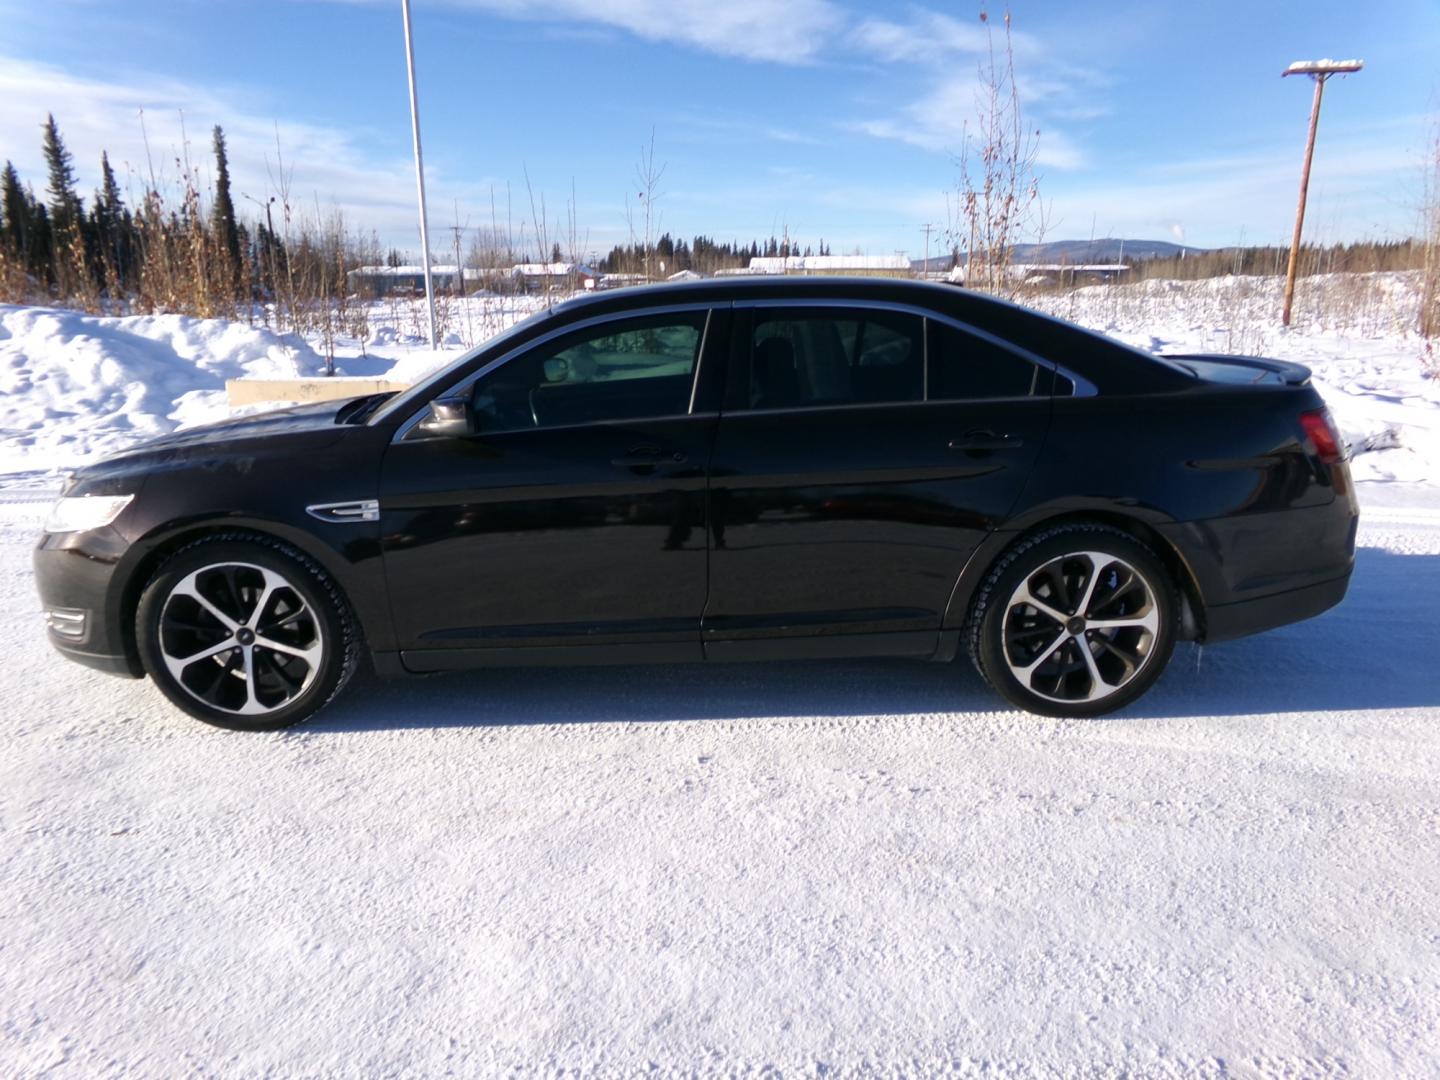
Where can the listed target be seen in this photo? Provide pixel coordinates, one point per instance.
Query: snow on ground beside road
(858, 868)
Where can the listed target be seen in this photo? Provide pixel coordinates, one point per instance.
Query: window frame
(465, 384)
(743, 346)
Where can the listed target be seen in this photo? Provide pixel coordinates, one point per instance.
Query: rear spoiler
(1217, 367)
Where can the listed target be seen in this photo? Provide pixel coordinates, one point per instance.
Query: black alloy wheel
(245, 634)
(1076, 621)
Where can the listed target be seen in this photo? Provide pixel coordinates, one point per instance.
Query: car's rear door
(574, 517)
(862, 454)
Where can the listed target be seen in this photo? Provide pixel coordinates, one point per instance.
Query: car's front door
(862, 455)
(573, 517)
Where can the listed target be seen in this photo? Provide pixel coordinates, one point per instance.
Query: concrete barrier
(303, 391)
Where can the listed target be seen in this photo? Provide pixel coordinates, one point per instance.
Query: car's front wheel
(245, 633)
(1076, 621)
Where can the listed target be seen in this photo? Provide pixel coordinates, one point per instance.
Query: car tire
(246, 633)
(1078, 620)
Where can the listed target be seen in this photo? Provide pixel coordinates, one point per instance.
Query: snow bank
(75, 386)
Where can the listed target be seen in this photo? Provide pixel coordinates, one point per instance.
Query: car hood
(307, 426)
(298, 418)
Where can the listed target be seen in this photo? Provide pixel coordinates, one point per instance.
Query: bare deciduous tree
(1430, 288)
(998, 197)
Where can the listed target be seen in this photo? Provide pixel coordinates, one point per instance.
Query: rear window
(801, 358)
(967, 367)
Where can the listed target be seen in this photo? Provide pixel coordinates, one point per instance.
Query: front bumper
(83, 598)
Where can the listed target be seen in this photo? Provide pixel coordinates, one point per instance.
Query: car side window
(623, 370)
(968, 367)
(851, 356)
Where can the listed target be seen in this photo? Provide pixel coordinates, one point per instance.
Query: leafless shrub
(1430, 288)
(998, 198)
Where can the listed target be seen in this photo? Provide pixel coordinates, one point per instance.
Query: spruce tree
(110, 223)
(64, 203)
(223, 216)
(16, 210)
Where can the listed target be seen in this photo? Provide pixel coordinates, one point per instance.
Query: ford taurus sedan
(727, 470)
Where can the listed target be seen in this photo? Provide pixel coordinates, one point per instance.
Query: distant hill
(1104, 250)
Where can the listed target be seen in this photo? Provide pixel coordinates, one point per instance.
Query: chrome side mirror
(449, 418)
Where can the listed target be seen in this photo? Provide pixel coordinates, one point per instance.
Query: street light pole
(1319, 70)
(419, 176)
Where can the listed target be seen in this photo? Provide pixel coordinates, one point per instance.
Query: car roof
(1104, 361)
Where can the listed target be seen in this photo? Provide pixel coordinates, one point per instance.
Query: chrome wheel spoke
(1147, 620)
(178, 664)
(1023, 595)
(1098, 562)
(1026, 673)
(187, 588)
(310, 655)
(1099, 688)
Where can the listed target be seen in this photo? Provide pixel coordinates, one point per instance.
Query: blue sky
(828, 119)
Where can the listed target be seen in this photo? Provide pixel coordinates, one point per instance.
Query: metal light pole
(1319, 70)
(420, 176)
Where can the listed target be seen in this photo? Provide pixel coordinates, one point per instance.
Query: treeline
(169, 252)
(702, 255)
(1366, 256)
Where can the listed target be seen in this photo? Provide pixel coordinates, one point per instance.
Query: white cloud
(792, 32)
(948, 55)
(928, 38)
(940, 120)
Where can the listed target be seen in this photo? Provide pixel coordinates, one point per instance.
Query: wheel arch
(160, 546)
(994, 547)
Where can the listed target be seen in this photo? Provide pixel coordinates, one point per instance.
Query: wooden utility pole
(1319, 70)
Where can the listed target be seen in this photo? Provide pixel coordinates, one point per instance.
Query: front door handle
(986, 440)
(647, 457)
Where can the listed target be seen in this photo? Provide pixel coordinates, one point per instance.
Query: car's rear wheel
(245, 634)
(1076, 621)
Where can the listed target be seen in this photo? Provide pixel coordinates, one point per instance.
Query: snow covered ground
(839, 868)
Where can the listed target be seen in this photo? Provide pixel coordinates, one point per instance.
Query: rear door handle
(986, 440)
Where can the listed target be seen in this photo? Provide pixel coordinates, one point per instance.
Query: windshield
(422, 390)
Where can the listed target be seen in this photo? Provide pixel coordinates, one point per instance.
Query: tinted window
(835, 358)
(620, 371)
(965, 366)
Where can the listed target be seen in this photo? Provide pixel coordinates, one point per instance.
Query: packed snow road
(835, 867)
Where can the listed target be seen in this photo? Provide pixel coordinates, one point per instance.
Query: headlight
(85, 512)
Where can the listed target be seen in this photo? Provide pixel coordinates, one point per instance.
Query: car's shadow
(1380, 649)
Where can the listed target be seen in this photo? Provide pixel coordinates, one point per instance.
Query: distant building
(402, 280)
(685, 275)
(620, 281)
(1053, 273)
(861, 265)
(554, 277)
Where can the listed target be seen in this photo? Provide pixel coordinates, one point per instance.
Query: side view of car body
(724, 470)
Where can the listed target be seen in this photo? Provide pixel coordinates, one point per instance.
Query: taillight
(1320, 429)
